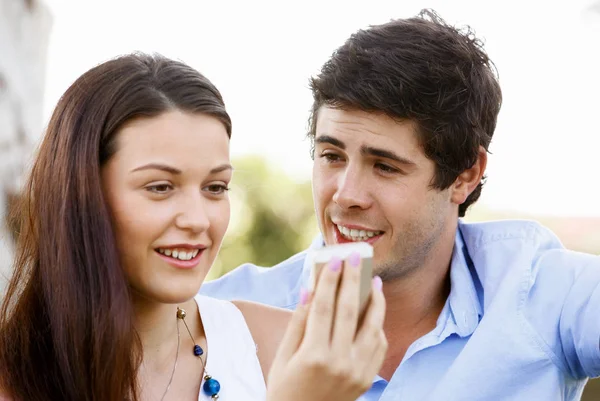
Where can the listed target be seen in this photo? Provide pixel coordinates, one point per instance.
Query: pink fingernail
(377, 283)
(354, 259)
(303, 296)
(335, 264)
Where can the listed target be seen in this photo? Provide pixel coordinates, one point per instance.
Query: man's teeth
(357, 235)
(181, 254)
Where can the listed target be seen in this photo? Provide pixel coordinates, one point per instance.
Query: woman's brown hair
(66, 323)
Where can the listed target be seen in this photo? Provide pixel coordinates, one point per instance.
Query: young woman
(124, 214)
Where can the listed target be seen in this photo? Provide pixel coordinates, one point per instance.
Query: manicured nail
(354, 259)
(335, 264)
(303, 296)
(377, 283)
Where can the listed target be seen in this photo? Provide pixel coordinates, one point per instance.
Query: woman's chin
(172, 295)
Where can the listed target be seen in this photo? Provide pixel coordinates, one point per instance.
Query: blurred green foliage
(272, 217)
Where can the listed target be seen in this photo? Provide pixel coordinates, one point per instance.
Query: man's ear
(468, 180)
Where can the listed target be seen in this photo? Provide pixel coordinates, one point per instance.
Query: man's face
(372, 182)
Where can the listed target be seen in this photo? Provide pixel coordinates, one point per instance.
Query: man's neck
(414, 304)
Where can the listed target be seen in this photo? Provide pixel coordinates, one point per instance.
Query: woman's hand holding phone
(330, 350)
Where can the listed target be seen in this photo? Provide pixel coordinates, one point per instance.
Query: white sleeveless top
(231, 355)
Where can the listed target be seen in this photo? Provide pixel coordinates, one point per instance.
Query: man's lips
(345, 233)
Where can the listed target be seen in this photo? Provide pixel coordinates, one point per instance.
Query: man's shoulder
(528, 278)
(505, 233)
(277, 286)
(505, 247)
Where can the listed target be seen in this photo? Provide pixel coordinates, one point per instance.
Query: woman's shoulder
(267, 325)
(264, 317)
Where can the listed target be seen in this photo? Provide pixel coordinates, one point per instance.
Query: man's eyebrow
(386, 154)
(367, 150)
(330, 140)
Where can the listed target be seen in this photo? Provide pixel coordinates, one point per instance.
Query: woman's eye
(217, 189)
(159, 188)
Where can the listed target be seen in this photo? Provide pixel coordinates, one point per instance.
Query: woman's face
(166, 187)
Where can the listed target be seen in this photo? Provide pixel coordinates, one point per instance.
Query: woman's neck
(160, 331)
(166, 344)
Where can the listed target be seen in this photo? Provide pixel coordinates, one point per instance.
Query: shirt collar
(465, 288)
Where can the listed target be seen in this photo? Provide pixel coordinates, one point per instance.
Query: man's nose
(352, 189)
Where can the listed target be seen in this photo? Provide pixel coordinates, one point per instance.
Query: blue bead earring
(211, 386)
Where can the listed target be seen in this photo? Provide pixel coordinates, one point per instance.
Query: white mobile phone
(320, 257)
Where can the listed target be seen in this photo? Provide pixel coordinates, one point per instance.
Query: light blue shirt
(522, 321)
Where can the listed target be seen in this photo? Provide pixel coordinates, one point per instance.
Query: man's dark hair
(424, 70)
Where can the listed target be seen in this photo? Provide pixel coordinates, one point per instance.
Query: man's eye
(385, 168)
(331, 157)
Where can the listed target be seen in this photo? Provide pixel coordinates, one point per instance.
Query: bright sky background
(546, 150)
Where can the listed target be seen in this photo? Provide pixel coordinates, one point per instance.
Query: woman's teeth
(181, 254)
(357, 235)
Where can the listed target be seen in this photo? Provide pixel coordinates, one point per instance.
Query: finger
(372, 324)
(295, 331)
(347, 306)
(322, 307)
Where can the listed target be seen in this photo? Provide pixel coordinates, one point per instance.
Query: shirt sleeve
(277, 286)
(563, 306)
(579, 325)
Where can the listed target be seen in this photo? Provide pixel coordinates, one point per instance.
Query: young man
(402, 119)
